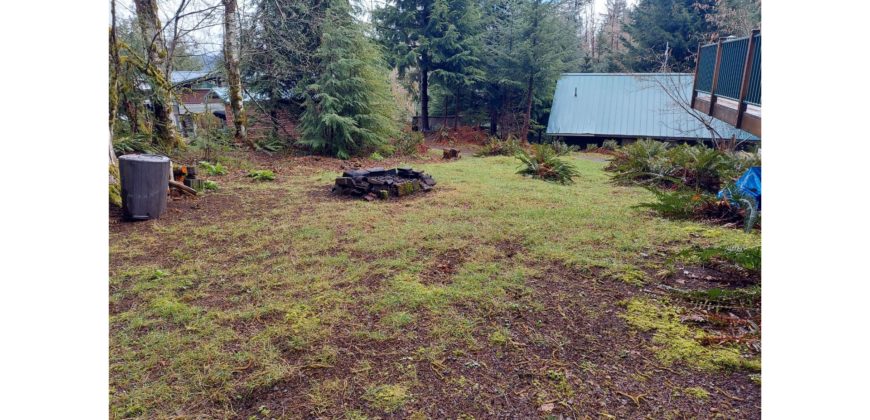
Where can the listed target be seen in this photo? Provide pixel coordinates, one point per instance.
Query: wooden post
(695, 79)
(715, 76)
(744, 83)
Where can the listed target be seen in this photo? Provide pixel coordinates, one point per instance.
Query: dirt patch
(701, 278)
(565, 352)
(442, 267)
(578, 340)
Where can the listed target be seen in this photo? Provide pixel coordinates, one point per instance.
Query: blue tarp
(748, 184)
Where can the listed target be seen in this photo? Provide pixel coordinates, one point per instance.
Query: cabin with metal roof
(591, 107)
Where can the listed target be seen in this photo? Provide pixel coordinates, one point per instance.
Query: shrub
(262, 175)
(209, 185)
(136, 143)
(681, 203)
(561, 148)
(545, 164)
(639, 161)
(610, 145)
(269, 144)
(686, 203)
(496, 147)
(409, 143)
(686, 178)
(216, 138)
(376, 156)
(696, 166)
(211, 141)
(700, 166)
(444, 136)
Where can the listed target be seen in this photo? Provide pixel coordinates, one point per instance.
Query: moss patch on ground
(678, 342)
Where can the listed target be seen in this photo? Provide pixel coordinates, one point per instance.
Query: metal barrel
(144, 184)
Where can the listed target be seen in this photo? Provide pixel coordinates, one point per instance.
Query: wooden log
(181, 187)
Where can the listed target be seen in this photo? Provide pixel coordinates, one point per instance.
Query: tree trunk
(136, 124)
(493, 120)
(456, 117)
(161, 97)
(273, 117)
(444, 125)
(231, 58)
(528, 114)
(424, 99)
(113, 76)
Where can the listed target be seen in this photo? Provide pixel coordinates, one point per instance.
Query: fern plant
(213, 169)
(262, 175)
(497, 147)
(610, 145)
(544, 163)
(136, 143)
(270, 144)
(681, 203)
(561, 148)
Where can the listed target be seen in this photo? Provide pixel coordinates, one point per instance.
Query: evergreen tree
(456, 49)
(546, 50)
(280, 45)
(734, 17)
(349, 110)
(500, 41)
(423, 36)
(657, 27)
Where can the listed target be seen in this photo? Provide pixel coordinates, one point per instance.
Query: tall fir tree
(413, 31)
(456, 50)
(280, 44)
(405, 27)
(546, 50)
(500, 43)
(665, 28)
(349, 110)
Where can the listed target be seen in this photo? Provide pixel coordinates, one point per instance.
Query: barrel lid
(144, 158)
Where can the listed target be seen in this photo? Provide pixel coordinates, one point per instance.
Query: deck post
(715, 76)
(744, 84)
(695, 79)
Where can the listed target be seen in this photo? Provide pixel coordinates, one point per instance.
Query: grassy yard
(494, 294)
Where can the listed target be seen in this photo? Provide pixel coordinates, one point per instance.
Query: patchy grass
(492, 294)
(387, 398)
(697, 392)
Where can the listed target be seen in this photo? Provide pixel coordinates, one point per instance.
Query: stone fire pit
(382, 183)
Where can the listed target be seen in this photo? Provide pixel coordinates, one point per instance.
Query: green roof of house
(629, 105)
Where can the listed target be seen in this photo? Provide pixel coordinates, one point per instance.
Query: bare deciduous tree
(161, 95)
(679, 91)
(231, 58)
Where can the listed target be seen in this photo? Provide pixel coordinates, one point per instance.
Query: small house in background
(593, 107)
(197, 94)
(202, 101)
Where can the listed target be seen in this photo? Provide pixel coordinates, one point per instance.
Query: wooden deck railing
(728, 81)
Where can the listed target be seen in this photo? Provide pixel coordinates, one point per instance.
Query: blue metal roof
(180, 76)
(629, 105)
